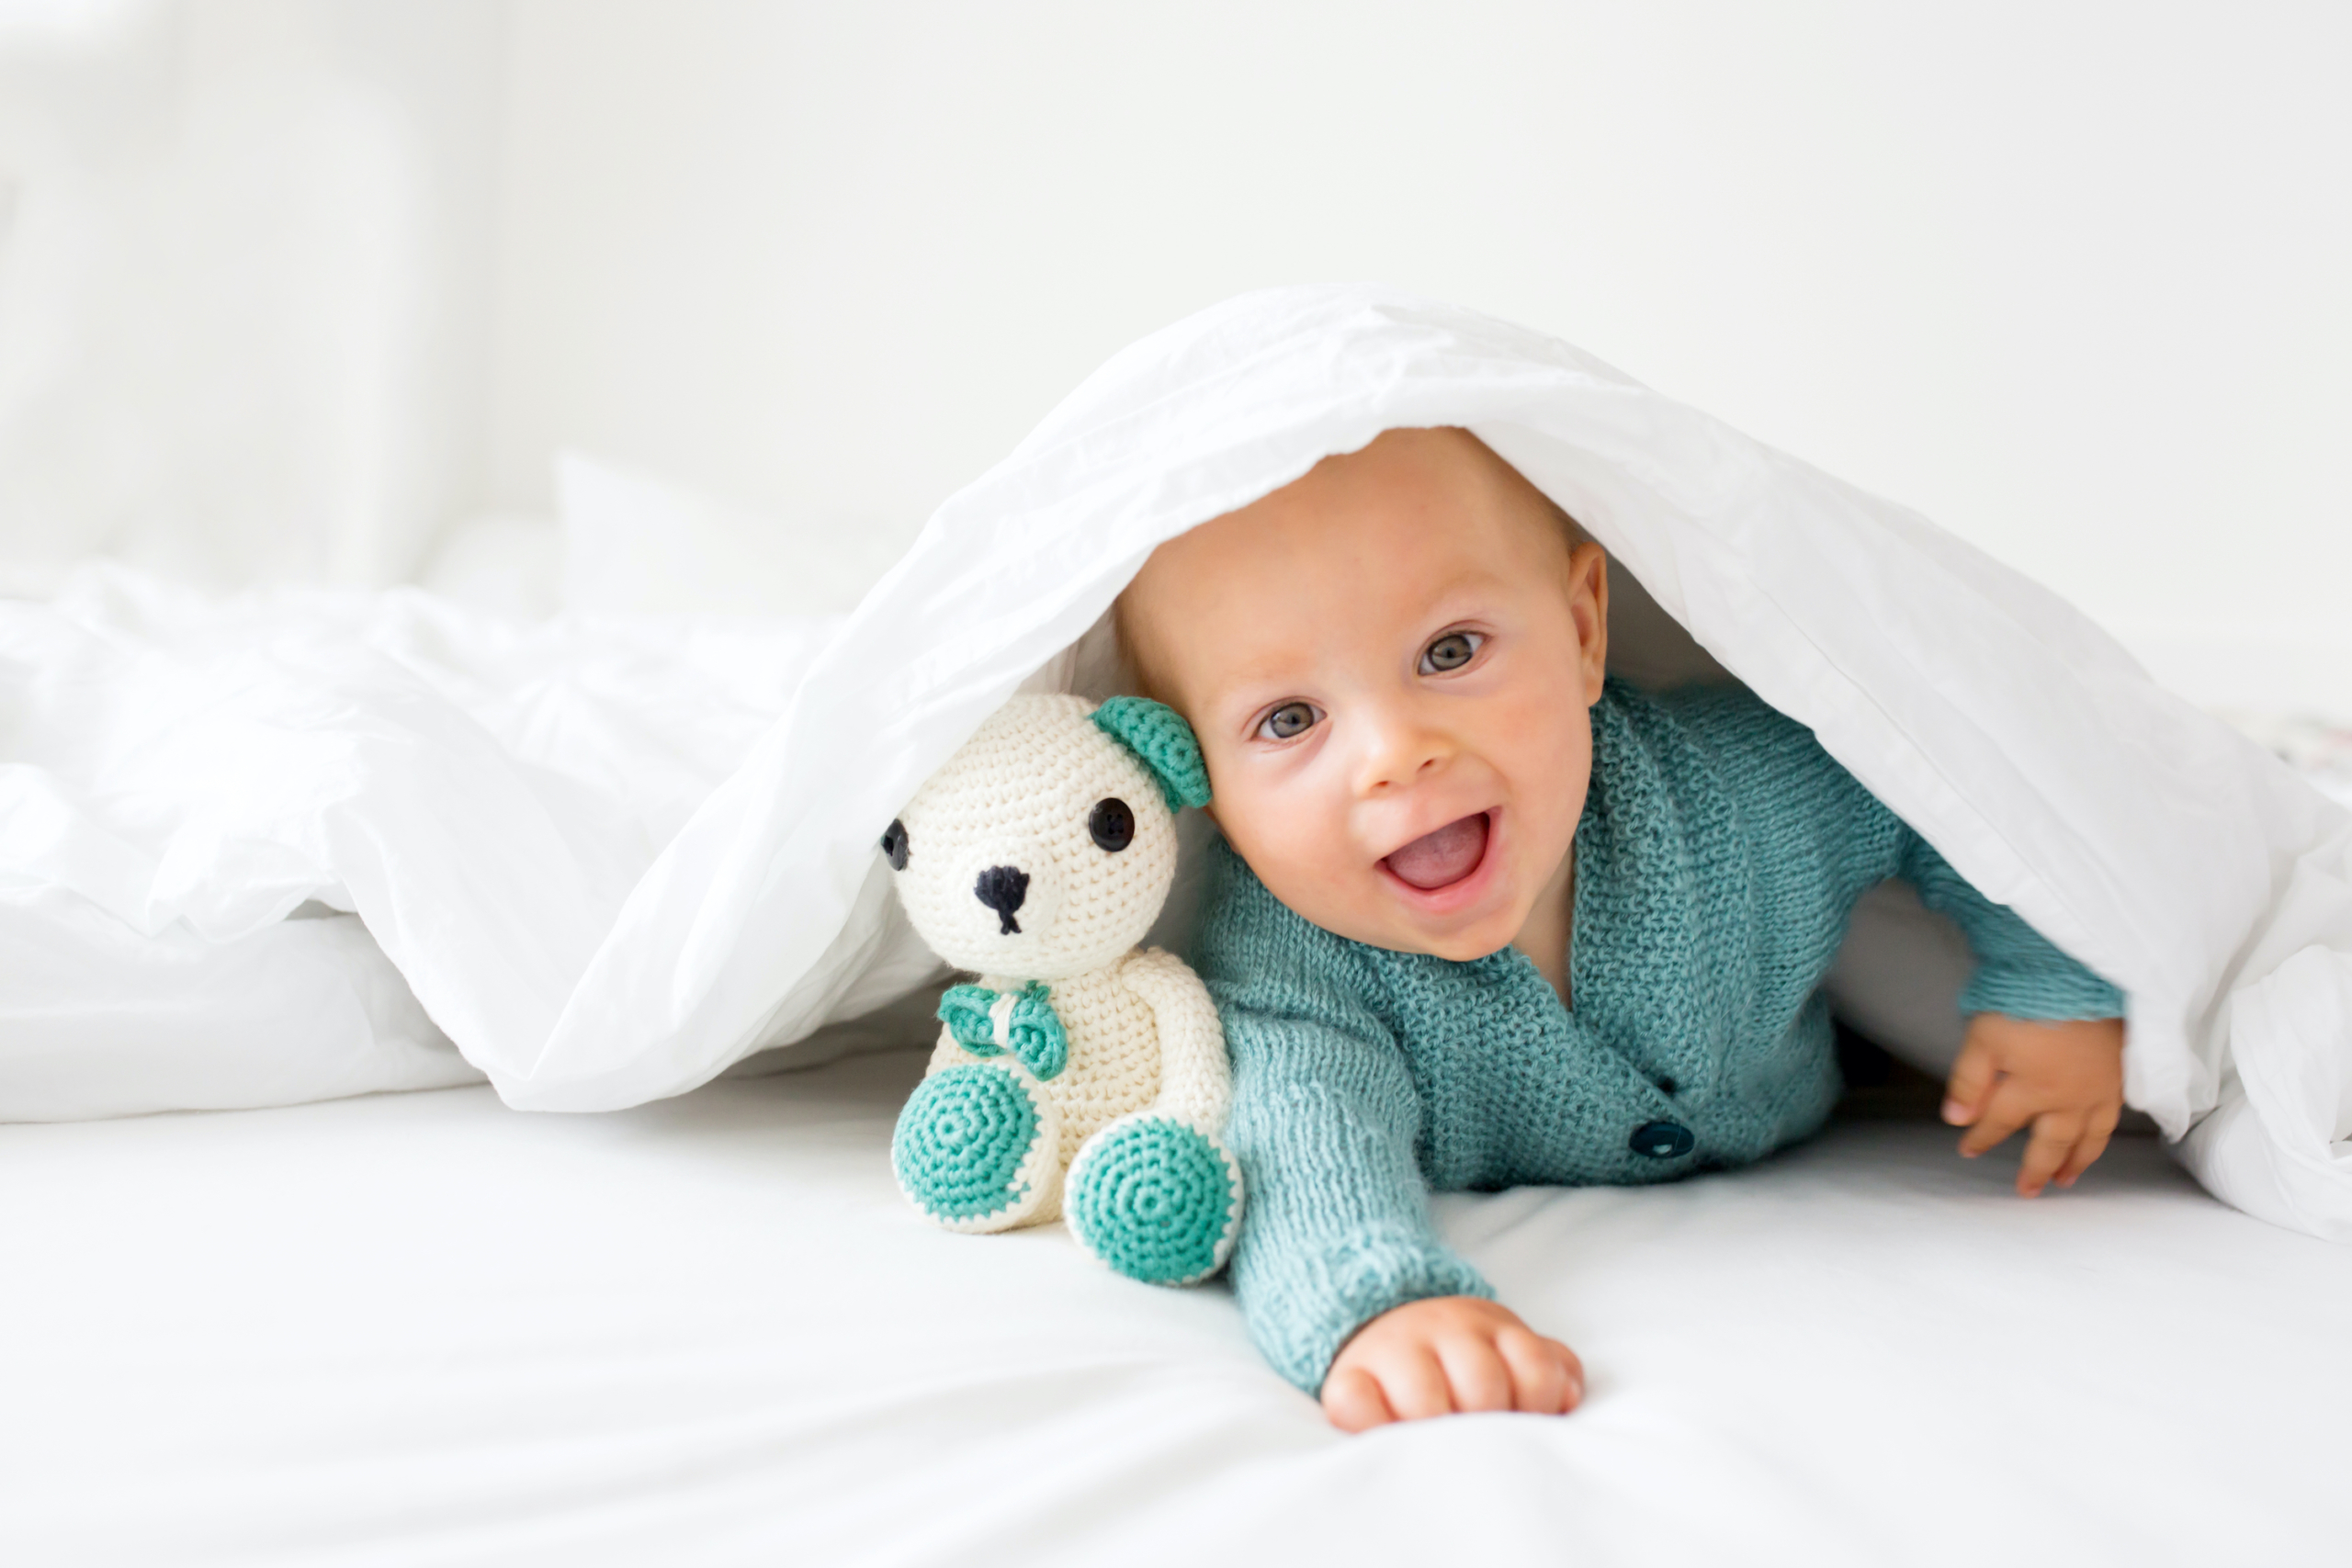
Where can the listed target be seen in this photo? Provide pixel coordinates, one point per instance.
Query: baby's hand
(1447, 1354)
(2065, 1079)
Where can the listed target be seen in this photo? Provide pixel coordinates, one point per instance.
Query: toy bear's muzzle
(1001, 888)
(1016, 889)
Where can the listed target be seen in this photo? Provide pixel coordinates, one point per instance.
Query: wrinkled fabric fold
(2144, 837)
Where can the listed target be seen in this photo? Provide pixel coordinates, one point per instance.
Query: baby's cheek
(1299, 847)
(1544, 729)
(1548, 755)
(1278, 832)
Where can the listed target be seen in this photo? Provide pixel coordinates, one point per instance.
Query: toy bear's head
(1045, 847)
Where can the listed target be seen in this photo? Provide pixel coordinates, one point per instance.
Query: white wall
(288, 287)
(245, 276)
(2068, 277)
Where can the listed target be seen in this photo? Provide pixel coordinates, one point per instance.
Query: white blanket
(195, 795)
(581, 970)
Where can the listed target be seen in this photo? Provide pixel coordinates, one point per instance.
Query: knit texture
(1155, 1200)
(1010, 810)
(967, 1152)
(1157, 734)
(1078, 1074)
(989, 1023)
(1719, 858)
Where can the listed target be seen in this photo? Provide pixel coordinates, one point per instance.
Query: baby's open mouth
(1435, 860)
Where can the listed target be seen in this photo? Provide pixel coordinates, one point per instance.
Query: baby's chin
(1480, 940)
(1383, 920)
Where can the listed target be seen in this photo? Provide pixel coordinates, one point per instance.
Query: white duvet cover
(419, 1331)
(593, 935)
(195, 795)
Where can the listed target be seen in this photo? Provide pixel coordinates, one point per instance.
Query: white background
(293, 287)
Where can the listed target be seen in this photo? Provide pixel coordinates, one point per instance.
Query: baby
(1484, 917)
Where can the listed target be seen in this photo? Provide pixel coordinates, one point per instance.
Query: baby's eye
(1450, 651)
(1288, 721)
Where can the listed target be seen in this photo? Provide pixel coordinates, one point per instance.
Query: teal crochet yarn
(1053, 812)
(1157, 734)
(1033, 1029)
(1035, 1033)
(965, 1010)
(961, 1142)
(1155, 1201)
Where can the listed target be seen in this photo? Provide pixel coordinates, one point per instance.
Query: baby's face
(1388, 663)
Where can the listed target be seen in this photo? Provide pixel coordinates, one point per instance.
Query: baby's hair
(1568, 526)
(1133, 674)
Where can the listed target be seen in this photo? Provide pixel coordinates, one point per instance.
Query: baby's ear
(1159, 735)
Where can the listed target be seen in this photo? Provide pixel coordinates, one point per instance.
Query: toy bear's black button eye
(1112, 825)
(894, 845)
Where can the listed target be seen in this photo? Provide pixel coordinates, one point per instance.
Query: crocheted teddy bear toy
(1080, 1077)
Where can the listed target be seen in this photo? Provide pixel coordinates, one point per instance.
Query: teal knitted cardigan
(1720, 856)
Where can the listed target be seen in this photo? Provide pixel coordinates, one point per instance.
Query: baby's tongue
(1447, 855)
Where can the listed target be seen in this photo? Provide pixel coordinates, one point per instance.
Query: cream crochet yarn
(1079, 1077)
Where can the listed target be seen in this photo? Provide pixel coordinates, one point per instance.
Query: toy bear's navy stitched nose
(1001, 888)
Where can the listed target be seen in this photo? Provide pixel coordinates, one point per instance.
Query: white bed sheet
(424, 1329)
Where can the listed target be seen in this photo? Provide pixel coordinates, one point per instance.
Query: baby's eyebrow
(1265, 674)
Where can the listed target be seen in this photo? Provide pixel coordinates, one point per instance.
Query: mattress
(424, 1329)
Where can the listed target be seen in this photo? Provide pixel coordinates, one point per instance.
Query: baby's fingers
(1546, 1378)
(2055, 1133)
(1971, 1081)
(1414, 1383)
(2092, 1145)
(2004, 1113)
(1353, 1400)
(1478, 1374)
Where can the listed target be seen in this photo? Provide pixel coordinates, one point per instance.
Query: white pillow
(634, 544)
(503, 564)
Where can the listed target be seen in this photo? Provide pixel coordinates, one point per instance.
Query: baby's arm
(1324, 1122)
(1339, 1268)
(1346, 1288)
(2044, 1048)
(2045, 1035)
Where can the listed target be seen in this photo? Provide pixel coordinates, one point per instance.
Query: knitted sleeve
(1324, 1121)
(2019, 973)
(1833, 839)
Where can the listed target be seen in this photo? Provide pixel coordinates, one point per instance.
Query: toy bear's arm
(1154, 1193)
(1195, 1081)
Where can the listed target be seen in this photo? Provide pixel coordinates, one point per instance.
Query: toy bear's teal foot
(1155, 1198)
(976, 1147)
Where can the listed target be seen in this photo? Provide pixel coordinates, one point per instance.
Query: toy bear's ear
(1157, 734)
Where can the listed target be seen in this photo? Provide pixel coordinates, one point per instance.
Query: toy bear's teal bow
(1033, 1030)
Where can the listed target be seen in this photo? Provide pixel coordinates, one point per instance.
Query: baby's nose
(1001, 888)
(1398, 750)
